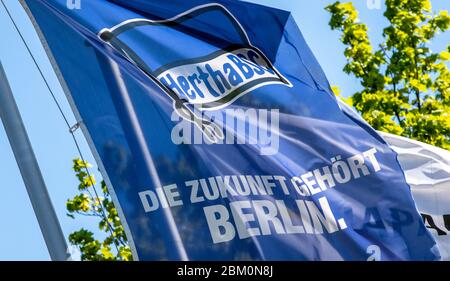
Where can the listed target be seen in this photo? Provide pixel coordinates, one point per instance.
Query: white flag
(427, 171)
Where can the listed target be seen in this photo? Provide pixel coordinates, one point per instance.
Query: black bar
(168, 271)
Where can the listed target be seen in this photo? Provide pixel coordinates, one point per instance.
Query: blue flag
(220, 138)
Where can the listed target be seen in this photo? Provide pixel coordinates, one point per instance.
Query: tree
(90, 202)
(406, 86)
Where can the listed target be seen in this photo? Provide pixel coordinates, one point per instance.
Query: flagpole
(31, 174)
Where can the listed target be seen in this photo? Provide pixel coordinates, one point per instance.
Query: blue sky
(20, 237)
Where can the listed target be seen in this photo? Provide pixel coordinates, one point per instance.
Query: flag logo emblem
(230, 67)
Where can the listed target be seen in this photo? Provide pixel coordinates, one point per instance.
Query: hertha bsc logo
(195, 67)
